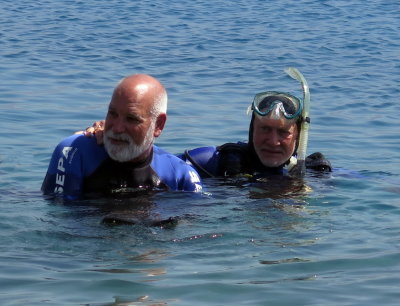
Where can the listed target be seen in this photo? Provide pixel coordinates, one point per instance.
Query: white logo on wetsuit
(65, 151)
(60, 176)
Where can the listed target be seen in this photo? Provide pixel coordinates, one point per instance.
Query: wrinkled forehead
(274, 121)
(131, 105)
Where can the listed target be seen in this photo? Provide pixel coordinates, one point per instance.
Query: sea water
(334, 241)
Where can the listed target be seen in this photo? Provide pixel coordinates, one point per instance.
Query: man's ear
(160, 123)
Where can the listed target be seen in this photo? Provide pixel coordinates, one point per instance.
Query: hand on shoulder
(97, 130)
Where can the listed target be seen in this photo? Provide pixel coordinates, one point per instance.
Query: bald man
(128, 162)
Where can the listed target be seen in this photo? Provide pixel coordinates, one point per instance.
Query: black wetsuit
(233, 159)
(113, 177)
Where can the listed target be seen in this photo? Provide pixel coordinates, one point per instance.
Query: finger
(99, 137)
(90, 130)
(98, 124)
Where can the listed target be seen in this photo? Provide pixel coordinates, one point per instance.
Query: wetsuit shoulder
(227, 159)
(74, 158)
(174, 172)
(203, 159)
(233, 159)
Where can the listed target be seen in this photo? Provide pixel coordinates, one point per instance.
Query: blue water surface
(333, 242)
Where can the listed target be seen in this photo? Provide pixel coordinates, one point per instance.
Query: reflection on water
(140, 301)
(272, 186)
(286, 260)
(283, 187)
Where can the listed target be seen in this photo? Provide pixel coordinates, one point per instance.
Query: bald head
(136, 115)
(143, 89)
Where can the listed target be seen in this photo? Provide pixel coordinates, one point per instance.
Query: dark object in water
(318, 162)
(126, 219)
(171, 222)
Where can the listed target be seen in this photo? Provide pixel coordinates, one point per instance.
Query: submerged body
(79, 167)
(233, 159)
(276, 131)
(128, 162)
(278, 134)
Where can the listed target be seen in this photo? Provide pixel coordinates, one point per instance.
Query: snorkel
(300, 167)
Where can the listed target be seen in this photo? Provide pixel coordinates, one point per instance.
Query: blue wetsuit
(80, 166)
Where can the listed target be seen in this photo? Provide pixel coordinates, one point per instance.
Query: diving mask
(275, 101)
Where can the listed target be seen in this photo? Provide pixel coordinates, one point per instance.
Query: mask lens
(289, 105)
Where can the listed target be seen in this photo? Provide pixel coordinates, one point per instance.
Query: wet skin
(274, 140)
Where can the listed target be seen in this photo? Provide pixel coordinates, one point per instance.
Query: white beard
(124, 153)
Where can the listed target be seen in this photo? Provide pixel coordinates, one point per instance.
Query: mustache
(120, 136)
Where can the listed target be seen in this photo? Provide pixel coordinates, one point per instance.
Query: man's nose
(118, 126)
(273, 138)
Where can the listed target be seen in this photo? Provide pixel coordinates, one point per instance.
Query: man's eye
(133, 120)
(285, 134)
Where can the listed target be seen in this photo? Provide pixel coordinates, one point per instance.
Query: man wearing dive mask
(273, 129)
(277, 142)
